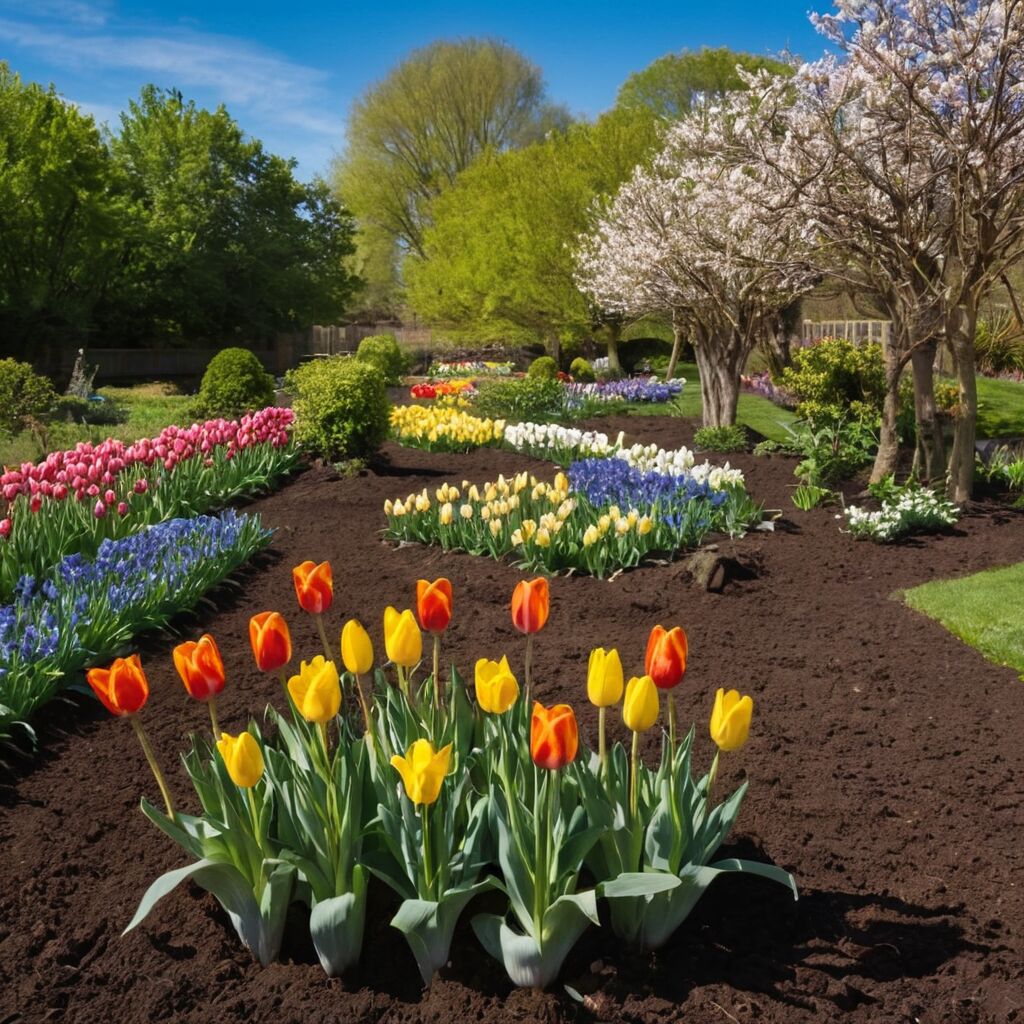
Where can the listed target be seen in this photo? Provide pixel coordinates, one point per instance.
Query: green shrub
(835, 379)
(721, 439)
(341, 408)
(234, 383)
(582, 371)
(107, 413)
(569, 351)
(998, 344)
(528, 398)
(27, 396)
(831, 451)
(384, 352)
(543, 367)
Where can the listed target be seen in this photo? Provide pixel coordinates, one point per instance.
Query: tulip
(123, 689)
(423, 770)
(316, 690)
(202, 671)
(730, 719)
(434, 609)
(271, 642)
(496, 686)
(356, 648)
(531, 603)
(665, 661)
(604, 688)
(403, 642)
(242, 758)
(314, 588)
(554, 736)
(639, 712)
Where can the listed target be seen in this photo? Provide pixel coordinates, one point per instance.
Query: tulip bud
(496, 686)
(316, 690)
(665, 661)
(402, 638)
(270, 640)
(423, 770)
(730, 719)
(356, 648)
(530, 605)
(200, 666)
(123, 688)
(434, 604)
(5, 527)
(554, 736)
(242, 757)
(314, 586)
(640, 708)
(604, 678)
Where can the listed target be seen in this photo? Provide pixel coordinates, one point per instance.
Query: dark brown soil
(886, 770)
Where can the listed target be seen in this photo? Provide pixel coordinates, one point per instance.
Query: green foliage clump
(234, 383)
(833, 450)
(582, 371)
(836, 379)
(384, 352)
(544, 367)
(71, 409)
(640, 352)
(341, 407)
(999, 344)
(721, 439)
(27, 396)
(528, 398)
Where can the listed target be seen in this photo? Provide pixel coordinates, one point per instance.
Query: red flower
(665, 661)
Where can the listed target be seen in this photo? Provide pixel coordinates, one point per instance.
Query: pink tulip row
(89, 472)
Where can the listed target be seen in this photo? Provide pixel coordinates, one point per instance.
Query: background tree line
(179, 228)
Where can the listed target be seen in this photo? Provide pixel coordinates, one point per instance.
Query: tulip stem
(427, 872)
(257, 833)
(323, 637)
(327, 756)
(634, 766)
(712, 775)
(365, 707)
(527, 674)
(671, 728)
(437, 671)
(602, 751)
(147, 749)
(213, 717)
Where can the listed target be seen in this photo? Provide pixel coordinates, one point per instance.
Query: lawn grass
(985, 610)
(1000, 408)
(151, 407)
(753, 411)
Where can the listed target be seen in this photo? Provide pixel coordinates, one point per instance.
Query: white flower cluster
(542, 438)
(913, 510)
(680, 462)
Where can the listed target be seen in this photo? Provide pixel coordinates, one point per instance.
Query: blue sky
(287, 72)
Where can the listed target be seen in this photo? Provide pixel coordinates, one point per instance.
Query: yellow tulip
(590, 536)
(543, 537)
(466, 511)
(316, 690)
(356, 648)
(242, 758)
(445, 515)
(561, 482)
(640, 708)
(402, 638)
(495, 527)
(604, 678)
(423, 770)
(496, 686)
(730, 719)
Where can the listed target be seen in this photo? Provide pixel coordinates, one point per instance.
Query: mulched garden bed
(886, 765)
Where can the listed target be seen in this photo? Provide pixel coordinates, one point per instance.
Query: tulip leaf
(336, 926)
(638, 883)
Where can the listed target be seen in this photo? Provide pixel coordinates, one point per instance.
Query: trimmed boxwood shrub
(581, 370)
(27, 396)
(384, 352)
(544, 367)
(234, 383)
(341, 407)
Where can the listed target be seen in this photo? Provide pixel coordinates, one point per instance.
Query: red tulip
(122, 688)
(200, 666)
(531, 603)
(434, 604)
(554, 736)
(314, 586)
(271, 642)
(665, 662)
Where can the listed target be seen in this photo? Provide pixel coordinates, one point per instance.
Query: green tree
(498, 257)
(59, 217)
(410, 135)
(673, 85)
(224, 240)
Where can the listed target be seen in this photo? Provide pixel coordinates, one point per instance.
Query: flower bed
(443, 428)
(633, 389)
(574, 522)
(86, 609)
(442, 389)
(407, 782)
(912, 510)
(74, 500)
(470, 367)
(557, 443)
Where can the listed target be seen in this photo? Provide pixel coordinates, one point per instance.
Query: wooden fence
(859, 332)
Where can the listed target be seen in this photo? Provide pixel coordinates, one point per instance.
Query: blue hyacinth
(615, 482)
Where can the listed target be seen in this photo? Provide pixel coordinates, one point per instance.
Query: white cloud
(78, 12)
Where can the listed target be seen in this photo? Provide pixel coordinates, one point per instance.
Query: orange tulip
(200, 666)
(122, 688)
(531, 603)
(434, 604)
(314, 586)
(271, 642)
(554, 736)
(665, 662)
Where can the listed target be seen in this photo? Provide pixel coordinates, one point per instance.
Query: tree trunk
(555, 344)
(677, 347)
(930, 455)
(614, 365)
(889, 434)
(719, 383)
(962, 454)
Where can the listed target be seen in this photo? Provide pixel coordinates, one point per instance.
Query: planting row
(395, 777)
